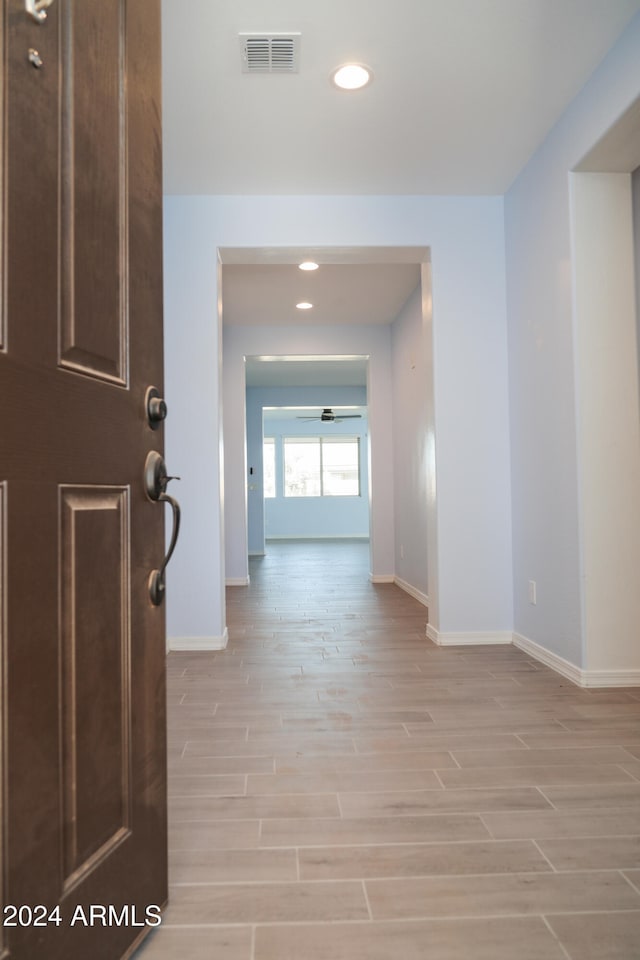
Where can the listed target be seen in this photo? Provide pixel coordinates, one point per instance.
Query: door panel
(93, 172)
(96, 688)
(3, 208)
(3, 700)
(84, 663)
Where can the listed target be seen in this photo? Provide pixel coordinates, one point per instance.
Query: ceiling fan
(328, 416)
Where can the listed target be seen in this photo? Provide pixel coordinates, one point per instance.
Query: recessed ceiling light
(304, 305)
(308, 265)
(351, 76)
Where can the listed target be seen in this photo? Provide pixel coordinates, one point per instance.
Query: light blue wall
(540, 311)
(472, 509)
(635, 188)
(411, 371)
(306, 516)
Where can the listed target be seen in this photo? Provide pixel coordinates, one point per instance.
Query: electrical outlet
(533, 591)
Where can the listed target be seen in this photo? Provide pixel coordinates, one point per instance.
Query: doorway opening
(371, 312)
(307, 449)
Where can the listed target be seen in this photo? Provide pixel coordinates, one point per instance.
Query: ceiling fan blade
(328, 416)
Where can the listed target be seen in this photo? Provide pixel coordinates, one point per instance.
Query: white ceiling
(355, 286)
(464, 91)
(340, 293)
(306, 372)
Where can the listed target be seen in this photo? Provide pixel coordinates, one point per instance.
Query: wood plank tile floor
(341, 789)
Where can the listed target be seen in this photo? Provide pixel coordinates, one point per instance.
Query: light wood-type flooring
(340, 788)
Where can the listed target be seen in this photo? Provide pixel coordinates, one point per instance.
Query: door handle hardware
(155, 476)
(157, 583)
(35, 59)
(37, 9)
(156, 408)
(155, 482)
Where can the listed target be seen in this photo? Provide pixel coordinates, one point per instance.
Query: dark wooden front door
(83, 799)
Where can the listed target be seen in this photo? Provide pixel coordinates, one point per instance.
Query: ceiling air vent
(270, 52)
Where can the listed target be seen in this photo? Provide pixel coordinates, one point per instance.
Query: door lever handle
(155, 481)
(157, 583)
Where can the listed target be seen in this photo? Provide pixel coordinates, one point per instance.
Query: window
(302, 467)
(269, 467)
(321, 467)
(340, 467)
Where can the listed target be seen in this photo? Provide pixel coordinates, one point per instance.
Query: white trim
(238, 581)
(199, 643)
(610, 678)
(583, 678)
(550, 659)
(472, 638)
(382, 578)
(412, 591)
(317, 536)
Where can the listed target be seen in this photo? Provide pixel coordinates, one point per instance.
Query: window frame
(271, 442)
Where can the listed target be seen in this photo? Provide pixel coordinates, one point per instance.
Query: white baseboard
(412, 591)
(550, 659)
(472, 638)
(237, 581)
(610, 678)
(583, 678)
(199, 643)
(382, 578)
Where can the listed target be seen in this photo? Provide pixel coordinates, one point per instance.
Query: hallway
(342, 789)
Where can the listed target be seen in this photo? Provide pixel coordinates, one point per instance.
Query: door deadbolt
(155, 407)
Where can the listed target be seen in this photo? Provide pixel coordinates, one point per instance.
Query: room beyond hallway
(343, 789)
